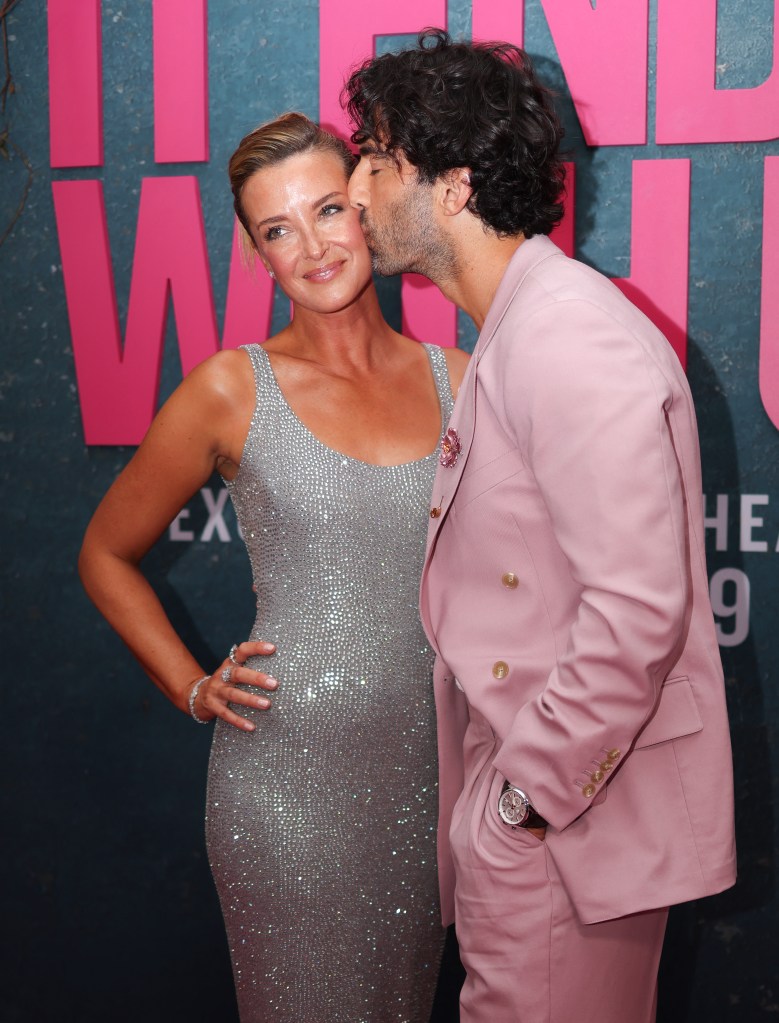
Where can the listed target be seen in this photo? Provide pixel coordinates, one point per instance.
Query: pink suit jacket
(565, 593)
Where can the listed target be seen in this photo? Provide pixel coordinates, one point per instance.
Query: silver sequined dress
(321, 823)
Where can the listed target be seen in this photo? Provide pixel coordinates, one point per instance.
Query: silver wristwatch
(516, 810)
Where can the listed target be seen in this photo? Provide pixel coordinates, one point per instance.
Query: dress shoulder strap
(262, 370)
(442, 383)
(270, 406)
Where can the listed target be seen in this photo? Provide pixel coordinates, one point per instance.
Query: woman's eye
(331, 208)
(273, 233)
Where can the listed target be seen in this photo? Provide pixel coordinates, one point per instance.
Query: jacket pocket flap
(676, 715)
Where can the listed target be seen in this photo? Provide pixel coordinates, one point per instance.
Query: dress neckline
(334, 451)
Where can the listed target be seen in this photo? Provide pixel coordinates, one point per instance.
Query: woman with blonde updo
(322, 805)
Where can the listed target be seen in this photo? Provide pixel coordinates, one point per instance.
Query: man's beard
(409, 241)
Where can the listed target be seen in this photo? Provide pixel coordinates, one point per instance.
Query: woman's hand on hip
(219, 690)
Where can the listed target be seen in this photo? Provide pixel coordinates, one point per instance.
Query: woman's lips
(324, 273)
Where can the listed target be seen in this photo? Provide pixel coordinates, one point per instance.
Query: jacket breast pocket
(476, 482)
(676, 715)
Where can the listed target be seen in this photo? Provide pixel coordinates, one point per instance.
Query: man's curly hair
(447, 104)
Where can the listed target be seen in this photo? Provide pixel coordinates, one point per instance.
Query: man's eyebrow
(371, 149)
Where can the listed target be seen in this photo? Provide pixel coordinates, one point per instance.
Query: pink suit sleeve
(593, 421)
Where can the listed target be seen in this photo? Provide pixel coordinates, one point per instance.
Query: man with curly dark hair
(584, 756)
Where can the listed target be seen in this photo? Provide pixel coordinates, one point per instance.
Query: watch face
(513, 806)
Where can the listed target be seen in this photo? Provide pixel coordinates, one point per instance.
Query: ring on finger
(227, 674)
(232, 656)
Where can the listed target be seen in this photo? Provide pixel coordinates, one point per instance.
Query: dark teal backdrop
(109, 910)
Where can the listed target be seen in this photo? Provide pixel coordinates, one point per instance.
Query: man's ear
(455, 191)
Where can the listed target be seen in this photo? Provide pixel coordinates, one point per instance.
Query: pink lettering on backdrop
(689, 106)
(659, 248)
(769, 302)
(427, 315)
(118, 386)
(180, 81)
(75, 83)
(498, 20)
(603, 50)
(347, 36)
(249, 305)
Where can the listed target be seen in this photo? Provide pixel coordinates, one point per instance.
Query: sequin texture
(321, 823)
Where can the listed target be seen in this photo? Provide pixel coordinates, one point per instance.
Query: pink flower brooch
(450, 449)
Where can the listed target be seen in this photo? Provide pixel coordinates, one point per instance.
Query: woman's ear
(265, 264)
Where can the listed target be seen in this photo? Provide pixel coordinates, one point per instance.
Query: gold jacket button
(607, 766)
(614, 754)
(597, 776)
(500, 669)
(588, 790)
(434, 513)
(509, 580)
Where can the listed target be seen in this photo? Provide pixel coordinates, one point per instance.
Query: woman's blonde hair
(271, 143)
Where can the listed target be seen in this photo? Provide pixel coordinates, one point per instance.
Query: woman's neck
(356, 338)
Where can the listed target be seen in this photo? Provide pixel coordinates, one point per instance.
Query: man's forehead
(373, 142)
(375, 136)
(373, 147)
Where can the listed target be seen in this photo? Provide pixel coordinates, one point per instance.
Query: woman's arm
(201, 427)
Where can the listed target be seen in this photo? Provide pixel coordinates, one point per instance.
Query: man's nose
(357, 191)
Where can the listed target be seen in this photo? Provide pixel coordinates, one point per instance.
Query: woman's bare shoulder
(227, 374)
(456, 362)
(212, 404)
